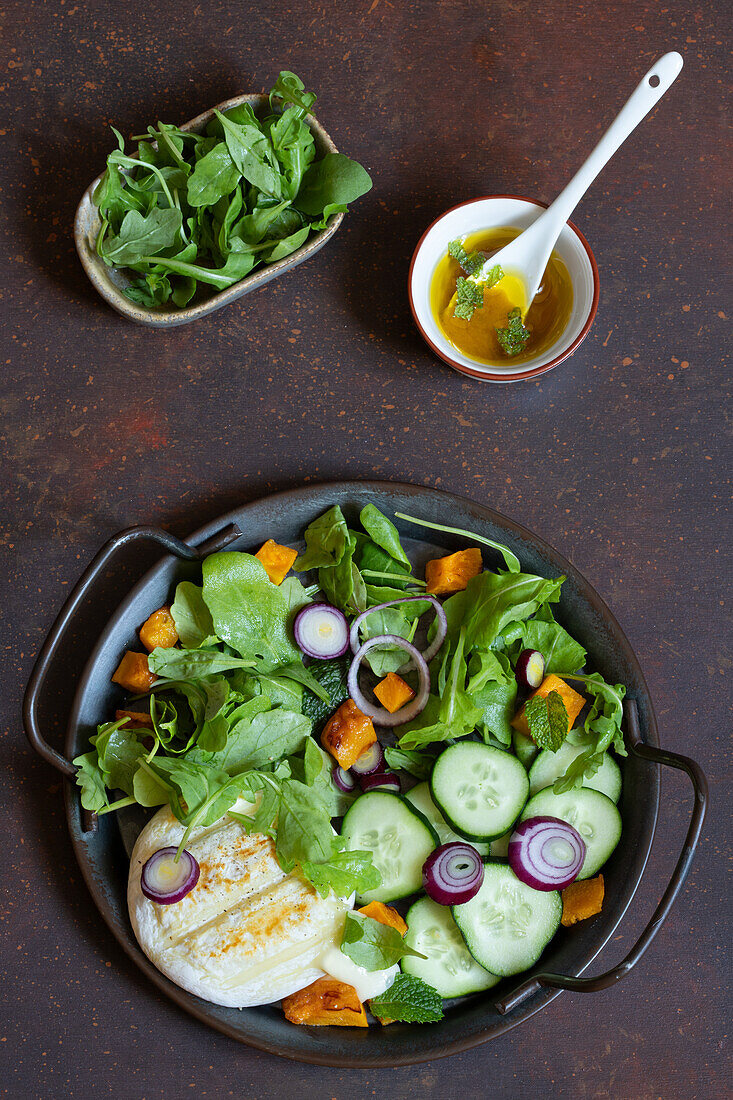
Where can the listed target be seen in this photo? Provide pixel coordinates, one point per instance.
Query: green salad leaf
(419, 764)
(384, 533)
(469, 298)
(371, 944)
(345, 873)
(408, 1000)
(471, 263)
(515, 337)
(192, 617)
(326, 541)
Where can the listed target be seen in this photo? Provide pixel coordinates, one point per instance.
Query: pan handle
(83, 586)
(700, 787)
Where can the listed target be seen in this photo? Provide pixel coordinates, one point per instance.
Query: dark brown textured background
(616, 457)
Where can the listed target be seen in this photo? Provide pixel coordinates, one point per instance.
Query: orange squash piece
(581, 900)
(347, 734)
(452, 573)
(393, 692)
(137, 719)
(159, 630)
(277, 560)
(133, 674)
(325, 1002)
(385, 914)
(574, 702)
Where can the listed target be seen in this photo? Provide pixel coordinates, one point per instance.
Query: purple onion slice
(382, 781)
(166, 881)
(380, 715)
(441, 622)
(371, 760)
(546, 853)
(321, 631)
(453, 873)
(530, 668)
(343, 780)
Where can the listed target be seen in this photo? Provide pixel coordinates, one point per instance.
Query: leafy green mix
(208, 208)
(234, 710)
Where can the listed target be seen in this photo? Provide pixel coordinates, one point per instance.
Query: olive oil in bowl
(546, 318)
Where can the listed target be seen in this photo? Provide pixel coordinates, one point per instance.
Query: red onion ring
(546, 853)
(440, 618)
(370, 761)
(381, 781)
(166, 881)
(343, 780)
(380, 715)
(453, 873)
(307, 633)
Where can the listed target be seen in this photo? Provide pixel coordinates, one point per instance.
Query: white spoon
(527, 255)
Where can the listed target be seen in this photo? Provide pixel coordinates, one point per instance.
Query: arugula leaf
(118, 753)
(384, 533)
(345, 873)
(408, 1000)
(192, 617)
(469, 298)
(326, 540)
(90, 779)
(291, 89)
(602, 728)
(333, 180)
(304, 833)
(493, 600)
(514, 338)
(142, 236)
(193, 664)
(371, 944)
(250, 613)
(548, 721)
(510, 559)
(419, 764)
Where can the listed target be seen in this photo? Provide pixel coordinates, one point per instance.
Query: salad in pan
(377, 790)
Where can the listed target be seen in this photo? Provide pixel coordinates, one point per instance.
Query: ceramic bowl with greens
(200, 214)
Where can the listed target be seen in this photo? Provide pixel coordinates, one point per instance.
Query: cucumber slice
(420, 798)
(549, 766)
(479, 790)
(399, 838)
(524, 747)
(449, 967)
(590, 812)
(508, 925)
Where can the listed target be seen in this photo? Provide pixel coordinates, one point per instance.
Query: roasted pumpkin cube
(159, 630)
(277, 560)
(393, 692)
(327, 1001)
(347, 734)
(574, 702)
(581, 900)
(133, 674)
(452, 573)
(385, 914)
(137, 719)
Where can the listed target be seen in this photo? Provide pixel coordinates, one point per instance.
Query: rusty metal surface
(616, 458)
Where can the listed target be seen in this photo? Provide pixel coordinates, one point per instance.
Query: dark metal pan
(99, 842)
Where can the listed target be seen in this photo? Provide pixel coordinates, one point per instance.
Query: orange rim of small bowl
(507, 376)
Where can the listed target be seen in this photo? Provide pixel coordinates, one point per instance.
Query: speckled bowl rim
(507, 376)
(96, 270)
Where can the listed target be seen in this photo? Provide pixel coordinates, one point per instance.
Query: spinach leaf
(493, 688)
(558, 648)
(452, 715)
(215, 175)
(384, 533)
(118, 752)
(249, 612)
(389, 621)
(326, 541)
(251, 152)
(193, 664)
(371, 944)
(342, 584)
(194, 624)
(304, 833)
(335, 179)
(372, 558)
(142, 236)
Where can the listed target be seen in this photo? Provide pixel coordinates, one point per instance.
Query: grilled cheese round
(248, 933)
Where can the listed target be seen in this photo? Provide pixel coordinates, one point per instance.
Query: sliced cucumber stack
(593, 814)
(399, 838)
(507, 925)
(549, 766)
(420, 798)
(449, 967)
(479, 790)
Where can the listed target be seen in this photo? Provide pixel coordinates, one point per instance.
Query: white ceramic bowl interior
(471, 217)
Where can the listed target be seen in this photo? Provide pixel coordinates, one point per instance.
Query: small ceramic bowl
(110, 283)
(486, 213)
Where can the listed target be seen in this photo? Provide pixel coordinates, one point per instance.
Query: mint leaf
(470, 262)
(515, 336)
(345, 873)
(547, 719)
(410, 1001)
(371, 944)
(469, 298)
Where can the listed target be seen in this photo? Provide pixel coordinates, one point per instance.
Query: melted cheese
(367, 983)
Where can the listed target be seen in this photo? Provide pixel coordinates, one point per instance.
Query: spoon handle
(645, 96)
